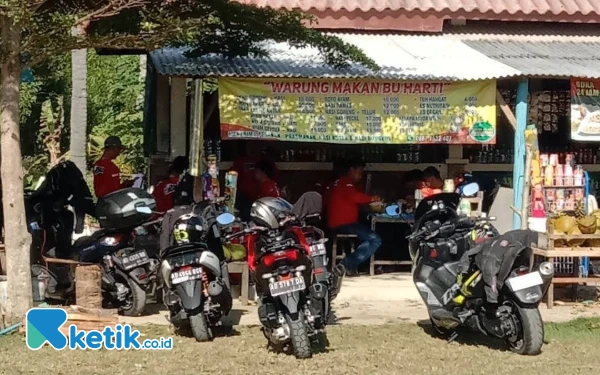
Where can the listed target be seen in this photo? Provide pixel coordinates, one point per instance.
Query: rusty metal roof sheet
(403, 57)
(546, 59)
(556, 7)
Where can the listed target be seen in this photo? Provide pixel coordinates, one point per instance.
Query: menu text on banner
(358, 111)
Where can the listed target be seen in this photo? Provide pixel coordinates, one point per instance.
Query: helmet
(269, 212)
(188, 228)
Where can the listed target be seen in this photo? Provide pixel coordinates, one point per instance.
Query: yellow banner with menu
(358, 111)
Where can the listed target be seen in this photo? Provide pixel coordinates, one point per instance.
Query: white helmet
(268, 212)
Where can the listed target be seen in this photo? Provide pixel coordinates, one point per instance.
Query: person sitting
(164, 191)
(263, 172)
(431, 183)
(107, 176)
(342, 216)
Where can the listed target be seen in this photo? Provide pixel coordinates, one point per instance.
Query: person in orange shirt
(431, 183)
(107, 177)
(164, 191)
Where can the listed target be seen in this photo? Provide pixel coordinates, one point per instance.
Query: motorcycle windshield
(424, 211)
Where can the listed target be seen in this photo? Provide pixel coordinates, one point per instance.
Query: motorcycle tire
(200, 329)
(138, 298)
(530, 336)
(300, 342)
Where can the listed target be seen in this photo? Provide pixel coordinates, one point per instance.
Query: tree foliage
(206, 26)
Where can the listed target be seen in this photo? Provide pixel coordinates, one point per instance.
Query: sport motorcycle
(469, 276)
(289, 265)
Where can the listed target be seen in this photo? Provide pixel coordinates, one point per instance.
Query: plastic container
(38, 288)
(118, 210)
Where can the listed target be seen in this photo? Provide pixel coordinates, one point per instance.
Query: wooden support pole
(510, 116)
(519, 150)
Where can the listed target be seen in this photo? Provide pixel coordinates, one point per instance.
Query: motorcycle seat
(87, 240)
(453, 267)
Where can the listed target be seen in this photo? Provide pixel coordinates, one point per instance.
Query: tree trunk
(17, 239)
(79, 108)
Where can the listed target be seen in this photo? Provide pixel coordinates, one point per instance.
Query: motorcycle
(193, 273)
(120, 250)
(288, 262)
(453, 270)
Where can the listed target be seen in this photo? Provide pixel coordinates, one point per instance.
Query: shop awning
(560, 59)
(402, 57)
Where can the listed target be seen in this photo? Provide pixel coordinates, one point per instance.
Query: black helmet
(188, 228)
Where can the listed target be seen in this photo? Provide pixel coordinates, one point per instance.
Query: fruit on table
(587, 224)
(575, 242)
(564, 224)
(595, 242)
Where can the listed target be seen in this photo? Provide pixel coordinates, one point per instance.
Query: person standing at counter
(432, 182)
(342, 215)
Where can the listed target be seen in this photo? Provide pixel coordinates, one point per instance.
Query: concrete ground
(373, 300)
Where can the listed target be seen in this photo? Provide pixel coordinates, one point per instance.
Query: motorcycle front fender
(190, 294)
(291, 302)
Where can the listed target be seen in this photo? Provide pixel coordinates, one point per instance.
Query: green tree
(34, 30)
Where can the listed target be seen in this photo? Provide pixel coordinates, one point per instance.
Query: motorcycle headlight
(165, 272)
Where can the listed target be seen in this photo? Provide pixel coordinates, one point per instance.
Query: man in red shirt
(107, 177)
(267, 187)
(342, 216)
(164, 191)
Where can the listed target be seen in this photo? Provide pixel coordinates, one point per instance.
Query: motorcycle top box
(126, 208)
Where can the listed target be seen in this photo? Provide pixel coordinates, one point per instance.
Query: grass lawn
(572, 348)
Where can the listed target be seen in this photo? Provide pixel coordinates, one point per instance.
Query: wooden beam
(510, 116)
(178, 117)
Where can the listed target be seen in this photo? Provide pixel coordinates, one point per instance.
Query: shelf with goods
(328, 166)
(559, 200)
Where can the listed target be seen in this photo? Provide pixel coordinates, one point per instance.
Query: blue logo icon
(44, 326)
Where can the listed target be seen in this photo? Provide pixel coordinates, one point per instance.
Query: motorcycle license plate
(180, 276)
(278, 288)
(525, 281)
(318, 249)
(135, 260)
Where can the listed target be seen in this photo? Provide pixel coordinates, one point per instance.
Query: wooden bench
(241, 267)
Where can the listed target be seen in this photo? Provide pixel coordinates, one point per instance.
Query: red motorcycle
(288, 261)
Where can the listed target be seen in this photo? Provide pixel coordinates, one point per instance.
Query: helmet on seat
(268, 212)
(188, 228)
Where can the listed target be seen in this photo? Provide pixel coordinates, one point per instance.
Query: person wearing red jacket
(164, 191)
(107, 177)
(342, 216)
(267, 187)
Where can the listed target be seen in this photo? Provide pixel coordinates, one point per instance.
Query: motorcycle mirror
(225, 219)
(392, 210)
(470, 189)
(143, 210)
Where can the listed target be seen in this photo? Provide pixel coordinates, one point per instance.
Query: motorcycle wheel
(299, 336)
(200, 329)
(529, 338)
(136, 300)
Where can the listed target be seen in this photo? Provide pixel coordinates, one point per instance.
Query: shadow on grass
(465, 337)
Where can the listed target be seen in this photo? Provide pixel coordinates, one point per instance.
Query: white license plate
(179, 277)
(525, 281)
(294, 284)
(318, 249)
(135, 260)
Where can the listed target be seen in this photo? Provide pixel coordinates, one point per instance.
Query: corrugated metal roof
(542, 7)
(551, 59)
(402, 57)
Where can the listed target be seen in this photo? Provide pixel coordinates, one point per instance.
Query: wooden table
(387, 220)
(547, 251)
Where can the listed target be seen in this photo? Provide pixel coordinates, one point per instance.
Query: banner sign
(344, 111)
(585, 109)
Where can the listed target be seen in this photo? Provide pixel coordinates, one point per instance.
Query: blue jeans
(370, 242)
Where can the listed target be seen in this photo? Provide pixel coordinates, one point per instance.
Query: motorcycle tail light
(433, 253)
(185, 268)
(291, 255)
(318, 271)
(268, 260)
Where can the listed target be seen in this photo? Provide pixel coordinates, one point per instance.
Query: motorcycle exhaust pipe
(337, 276)
(546, 270)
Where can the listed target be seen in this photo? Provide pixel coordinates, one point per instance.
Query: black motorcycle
(193, 272)
(468, 276)
(120, 247)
